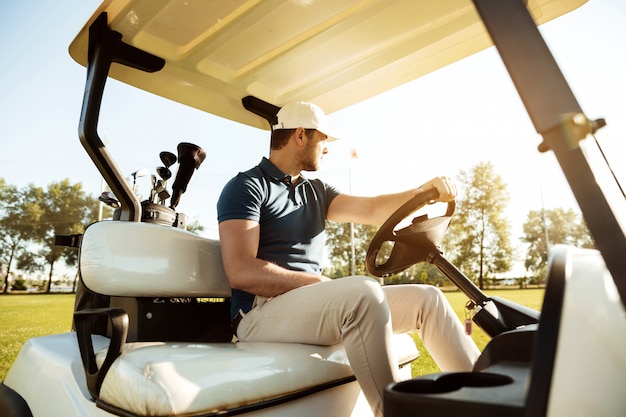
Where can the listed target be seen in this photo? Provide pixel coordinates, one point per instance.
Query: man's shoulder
(252, 183)
(254, 173)
(257, 172)
(245, 190)
(251, 173)
(245, 179)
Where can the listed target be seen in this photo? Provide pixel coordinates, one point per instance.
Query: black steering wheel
(413, 243)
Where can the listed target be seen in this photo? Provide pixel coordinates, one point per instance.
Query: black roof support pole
(558, 117)
(106, 47)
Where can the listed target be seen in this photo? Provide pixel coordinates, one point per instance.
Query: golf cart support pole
(559, 119)
(106, 47)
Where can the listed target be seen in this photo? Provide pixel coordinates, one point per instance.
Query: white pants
(362, 315)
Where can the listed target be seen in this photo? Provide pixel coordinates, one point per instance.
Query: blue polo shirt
(291, 218)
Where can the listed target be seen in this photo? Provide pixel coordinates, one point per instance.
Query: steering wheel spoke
(411, 244)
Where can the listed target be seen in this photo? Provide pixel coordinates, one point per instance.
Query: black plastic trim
(508, 347)
(119, 325)
(261, 108)
(12, 404)
(247, 408)
(548, 334)
(106, 47)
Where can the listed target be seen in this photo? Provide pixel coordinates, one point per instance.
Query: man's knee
(426, 297)
(367, 298)
(422, 291)
(366, 287)
(433, 292)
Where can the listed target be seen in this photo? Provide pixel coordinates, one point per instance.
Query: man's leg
(426, 309)
(351, 310)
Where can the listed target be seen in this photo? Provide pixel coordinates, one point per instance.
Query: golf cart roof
(334, 53)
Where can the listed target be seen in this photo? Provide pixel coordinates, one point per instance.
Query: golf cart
(152, 333)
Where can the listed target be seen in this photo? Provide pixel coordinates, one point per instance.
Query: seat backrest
(130, 259)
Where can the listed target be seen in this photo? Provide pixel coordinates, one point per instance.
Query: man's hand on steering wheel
(413, 243)
(444, 185)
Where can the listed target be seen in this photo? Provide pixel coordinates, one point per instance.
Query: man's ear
(300, 135)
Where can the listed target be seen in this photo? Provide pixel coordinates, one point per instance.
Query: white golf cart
(152, 331)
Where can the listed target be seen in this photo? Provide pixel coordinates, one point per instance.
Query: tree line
(478, 241)
(31, 218)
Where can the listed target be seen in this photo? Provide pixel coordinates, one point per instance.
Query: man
(271, 226)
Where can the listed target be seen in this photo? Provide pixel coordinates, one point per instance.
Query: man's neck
(286, 164)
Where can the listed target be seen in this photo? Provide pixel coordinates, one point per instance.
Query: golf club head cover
(190, 157)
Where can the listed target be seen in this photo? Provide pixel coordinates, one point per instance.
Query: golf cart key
(469, 308)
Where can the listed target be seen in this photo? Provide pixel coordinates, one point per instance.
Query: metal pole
(352, 250)
(353, 156)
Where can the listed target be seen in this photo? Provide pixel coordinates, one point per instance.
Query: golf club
(168, 158)
(139, 173)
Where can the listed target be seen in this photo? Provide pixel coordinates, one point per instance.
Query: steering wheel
(413, 243)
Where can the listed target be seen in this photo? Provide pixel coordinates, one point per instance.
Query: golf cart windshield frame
(559, 119)
(548, 99)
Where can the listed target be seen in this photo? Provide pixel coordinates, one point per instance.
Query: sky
(440, 124)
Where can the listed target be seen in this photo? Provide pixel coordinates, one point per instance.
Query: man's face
(314, 151)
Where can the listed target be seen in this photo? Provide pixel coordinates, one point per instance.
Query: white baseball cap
(306, 115)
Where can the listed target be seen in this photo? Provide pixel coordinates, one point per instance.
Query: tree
(31, 218)
(67, 210)
(339, 246)
(479, 238)
(544, 228)
(20, 213)
(194, 226)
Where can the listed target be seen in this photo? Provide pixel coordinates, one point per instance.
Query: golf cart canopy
(243, 59)
(333, 53)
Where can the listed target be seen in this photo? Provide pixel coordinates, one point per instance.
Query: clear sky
(436, 125)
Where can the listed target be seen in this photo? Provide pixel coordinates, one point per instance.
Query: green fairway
(26, 316)
(532, 298)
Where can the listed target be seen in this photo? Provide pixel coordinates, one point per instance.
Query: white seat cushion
(159, 378)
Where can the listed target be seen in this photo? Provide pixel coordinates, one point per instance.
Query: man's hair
(280, 137)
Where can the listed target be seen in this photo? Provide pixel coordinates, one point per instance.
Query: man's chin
(311, 168)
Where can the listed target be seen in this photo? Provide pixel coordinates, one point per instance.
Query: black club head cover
(190, 157)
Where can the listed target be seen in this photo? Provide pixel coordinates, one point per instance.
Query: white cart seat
(158, 378)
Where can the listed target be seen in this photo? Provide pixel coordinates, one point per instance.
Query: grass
(532, 298)
(25, 316)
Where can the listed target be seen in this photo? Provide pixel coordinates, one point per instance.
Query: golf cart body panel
(241, 60)
(586, 278)
(558, 382)
(161, 378)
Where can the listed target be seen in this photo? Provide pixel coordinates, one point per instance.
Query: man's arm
(240, 242)
(375, 210)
